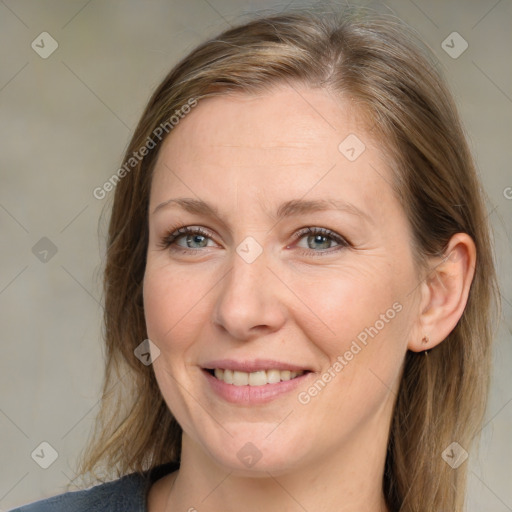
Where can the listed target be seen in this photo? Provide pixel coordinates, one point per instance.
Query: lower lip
(253, 394)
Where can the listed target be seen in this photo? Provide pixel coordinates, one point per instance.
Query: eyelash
(174, 234)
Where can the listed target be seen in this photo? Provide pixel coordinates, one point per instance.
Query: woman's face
(303, 264)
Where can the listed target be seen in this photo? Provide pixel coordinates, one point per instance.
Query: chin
(255, 453)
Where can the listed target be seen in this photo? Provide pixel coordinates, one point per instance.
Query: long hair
(379, 63)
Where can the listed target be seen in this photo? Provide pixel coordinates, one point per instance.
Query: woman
(299, 282)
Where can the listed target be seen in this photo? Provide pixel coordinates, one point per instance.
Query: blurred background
(75, 76)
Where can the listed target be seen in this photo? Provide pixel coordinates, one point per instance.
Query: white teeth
(240, 378)
(273, 376)
(259, 378)
(228, 376)
(286, 375)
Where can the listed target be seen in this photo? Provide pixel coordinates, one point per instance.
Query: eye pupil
(323, 240)
(199, 239)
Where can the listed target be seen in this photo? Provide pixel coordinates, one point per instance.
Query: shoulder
(127, 494)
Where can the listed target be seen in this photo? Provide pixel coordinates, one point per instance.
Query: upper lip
(253, 365)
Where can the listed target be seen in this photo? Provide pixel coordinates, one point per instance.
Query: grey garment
(127, 494)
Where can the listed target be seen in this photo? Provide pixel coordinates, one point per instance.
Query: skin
(246, 155)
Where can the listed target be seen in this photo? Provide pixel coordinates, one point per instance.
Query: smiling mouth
(259, 378)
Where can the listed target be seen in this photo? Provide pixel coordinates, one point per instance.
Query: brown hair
(376, 61)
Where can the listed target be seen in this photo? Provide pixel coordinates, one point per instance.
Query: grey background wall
(65, 121)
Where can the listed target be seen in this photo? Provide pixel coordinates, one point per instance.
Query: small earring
(425, 340)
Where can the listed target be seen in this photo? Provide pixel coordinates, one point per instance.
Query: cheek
(169, 314)
(360, 327)
(168, 303)
(157, 305)
(342, 309)
(177, 306)
(363, 341)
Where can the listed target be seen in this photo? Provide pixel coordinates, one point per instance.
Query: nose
(250, 300)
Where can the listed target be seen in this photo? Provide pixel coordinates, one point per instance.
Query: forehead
(286, 118)
(282, 144)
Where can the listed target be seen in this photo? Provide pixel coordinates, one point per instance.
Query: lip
(254, 365)
(252, 395)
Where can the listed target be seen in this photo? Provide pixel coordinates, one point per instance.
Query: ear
(444, 293)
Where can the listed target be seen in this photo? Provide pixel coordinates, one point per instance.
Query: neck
(346, 480)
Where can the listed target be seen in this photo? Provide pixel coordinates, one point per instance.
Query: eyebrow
(287, 209)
